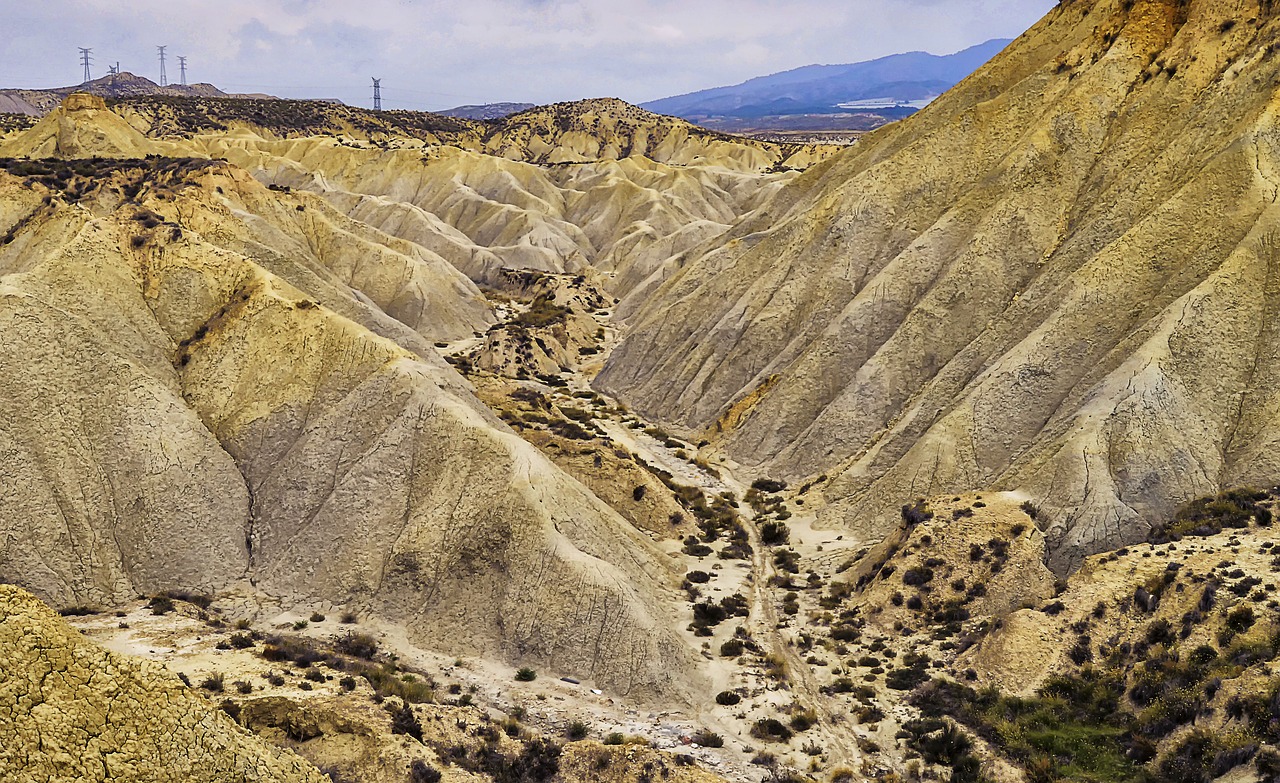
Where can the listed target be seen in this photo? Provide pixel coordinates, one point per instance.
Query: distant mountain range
(858, 96)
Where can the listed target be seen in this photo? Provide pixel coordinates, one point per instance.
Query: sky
(435, 54)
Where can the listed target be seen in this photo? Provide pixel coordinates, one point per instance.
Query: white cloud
(434, 53)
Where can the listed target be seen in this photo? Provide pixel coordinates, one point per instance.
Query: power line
(164, 79)
(86, 60)
(377, 95)
(182, 66)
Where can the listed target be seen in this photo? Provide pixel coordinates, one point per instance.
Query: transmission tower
(114, 70)
(86, 61)
(182, 66)
(164, 79)
(377, 95)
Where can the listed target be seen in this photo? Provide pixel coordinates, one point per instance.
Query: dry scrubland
(587, 445)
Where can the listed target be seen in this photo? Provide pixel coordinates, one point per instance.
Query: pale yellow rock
(81, 127)
(1057, 278)
(205, 387)
(72, 712)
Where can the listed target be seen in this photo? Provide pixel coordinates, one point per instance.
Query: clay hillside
(1017, 288)
(582, 444)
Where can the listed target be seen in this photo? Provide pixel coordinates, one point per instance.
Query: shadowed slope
(1018, 287)
(186, 408)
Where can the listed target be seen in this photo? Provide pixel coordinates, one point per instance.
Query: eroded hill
(1057, 278)
(632, 433)
(235, 402)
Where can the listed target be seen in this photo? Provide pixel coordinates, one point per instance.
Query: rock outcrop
(81, 127)
(71, 711)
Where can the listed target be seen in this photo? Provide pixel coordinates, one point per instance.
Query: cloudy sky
(434, 54)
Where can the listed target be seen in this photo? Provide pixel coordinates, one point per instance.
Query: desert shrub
(1074, 723)
(774, 533)
(803, 719)
(241, 641)
(387, 681)
(1268, 765)
(916, 513)
(1207, 516)
(769, 486)
(357, 645)
(316, 617)
(405, 721)
(214, 683)
(578, 730)
(1082, 652)
(525, 674)
(303, 652)
(1241, 618)
(695, 548)
(770, 730)
(708, 739)
(421, 772)
(542, 312)
(914, 577)
(731, 648)
(160, 604)
(727, 698)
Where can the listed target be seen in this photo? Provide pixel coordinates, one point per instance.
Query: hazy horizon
(432, 55)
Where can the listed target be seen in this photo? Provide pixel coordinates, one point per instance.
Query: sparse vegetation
(1233, 509)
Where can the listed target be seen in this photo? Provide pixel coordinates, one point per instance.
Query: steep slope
(485, 214)
(79, 128)
(204, 386)
(495, 202)
(75, 712)
(1016, 288)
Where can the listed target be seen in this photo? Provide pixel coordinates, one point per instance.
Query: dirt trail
(833, 731)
